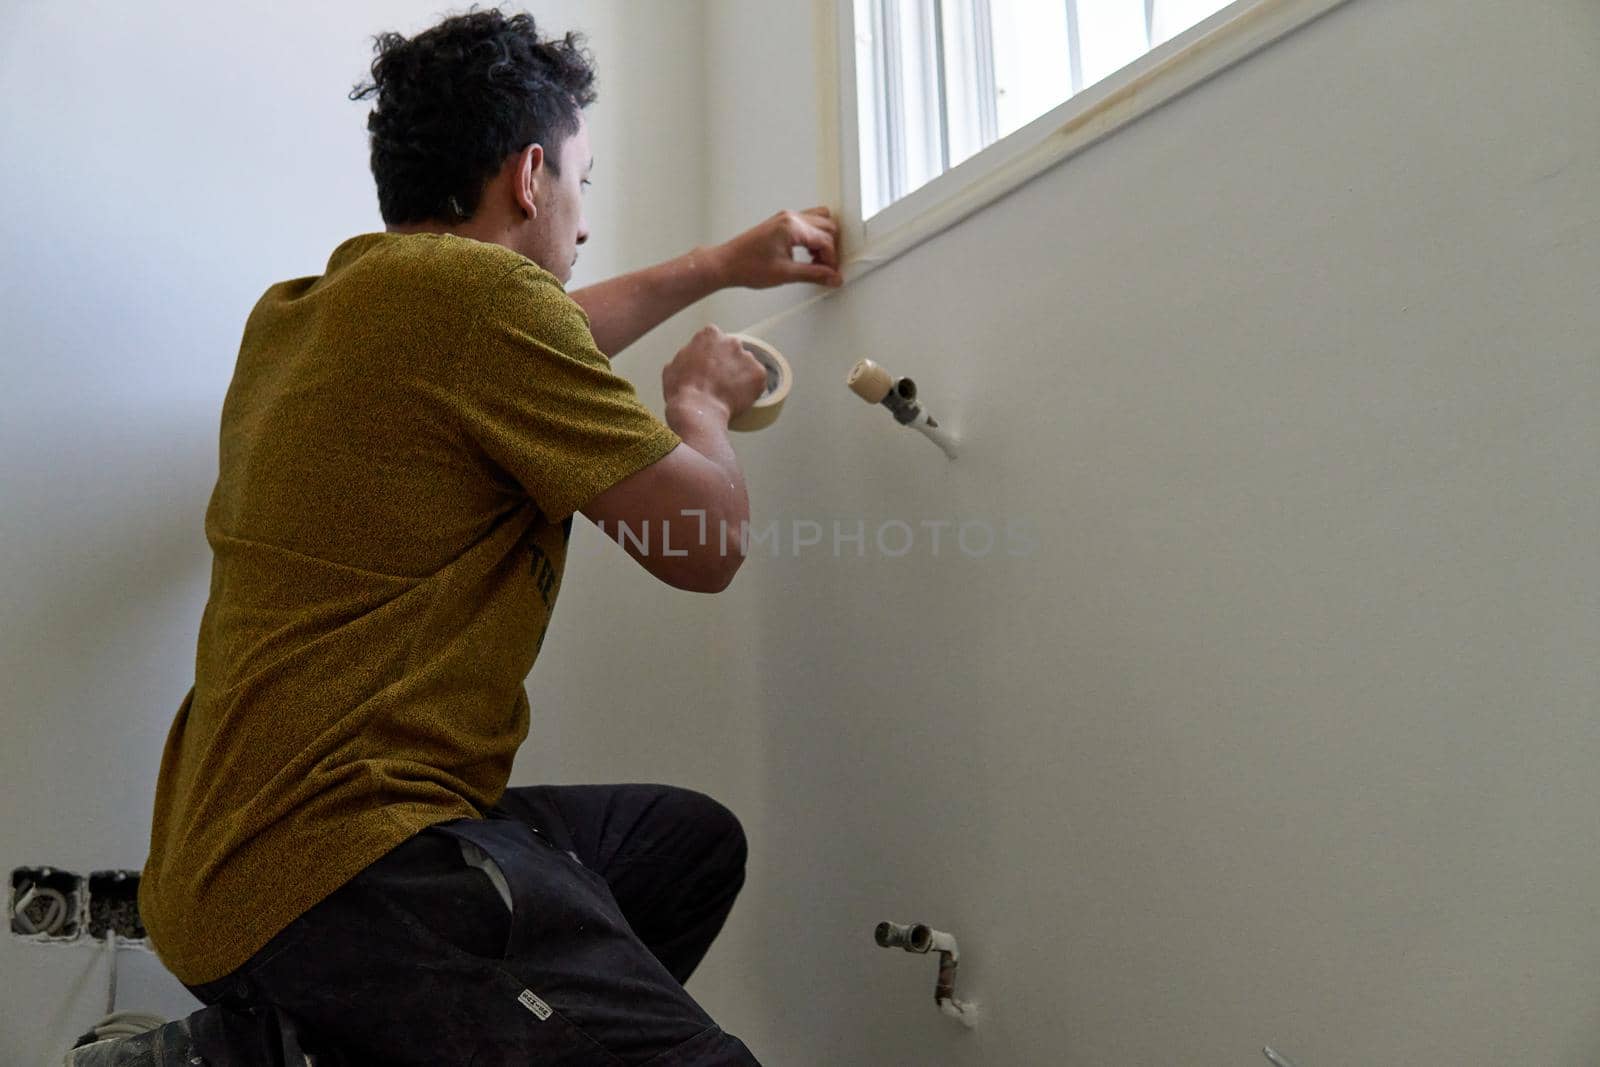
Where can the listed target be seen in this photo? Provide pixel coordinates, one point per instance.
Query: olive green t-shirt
(404, 442)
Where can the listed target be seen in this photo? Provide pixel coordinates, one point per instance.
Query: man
(404, 443)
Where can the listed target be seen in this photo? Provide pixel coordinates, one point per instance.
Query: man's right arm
(683, 517)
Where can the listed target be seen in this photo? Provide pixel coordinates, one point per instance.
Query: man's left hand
(763, 256)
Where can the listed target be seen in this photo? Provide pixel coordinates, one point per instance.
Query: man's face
(560, 226)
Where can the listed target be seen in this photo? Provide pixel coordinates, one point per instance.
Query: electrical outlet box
(114, 905)
(46, 904)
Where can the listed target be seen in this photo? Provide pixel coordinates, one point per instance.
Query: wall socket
(51, 906)
(114, 905)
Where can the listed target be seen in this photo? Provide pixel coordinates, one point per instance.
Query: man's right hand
(697, 490)
(713, 370)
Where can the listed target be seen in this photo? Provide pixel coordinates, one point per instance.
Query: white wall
(164, 163)
(1288, 731)
(1284, 733)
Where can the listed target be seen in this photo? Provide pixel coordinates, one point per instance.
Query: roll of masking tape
(764, 412)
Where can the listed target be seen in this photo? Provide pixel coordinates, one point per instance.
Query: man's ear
(530, 171)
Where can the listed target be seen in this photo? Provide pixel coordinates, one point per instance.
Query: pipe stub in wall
(780, 379)
(869, 381)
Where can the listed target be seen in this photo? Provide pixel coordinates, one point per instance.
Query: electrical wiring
(117, 1024)
(48, 919)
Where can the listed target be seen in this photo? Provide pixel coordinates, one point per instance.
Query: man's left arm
(625, 308)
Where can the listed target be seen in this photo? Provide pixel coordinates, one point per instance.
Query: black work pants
(617, 892)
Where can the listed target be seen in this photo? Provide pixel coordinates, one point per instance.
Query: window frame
(1172, 68)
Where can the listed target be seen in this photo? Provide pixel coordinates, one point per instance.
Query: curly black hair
(456, 100)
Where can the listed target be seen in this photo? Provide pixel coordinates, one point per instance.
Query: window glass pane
(940, 80)
(919, 93)
(1172, 17)
(1032, 60)
(869, 105)
(1110, 36)
(969, 77)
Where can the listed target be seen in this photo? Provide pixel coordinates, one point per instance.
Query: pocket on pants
(428, 878)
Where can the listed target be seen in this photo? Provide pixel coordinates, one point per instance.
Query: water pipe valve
(876, 386)
(922, 938)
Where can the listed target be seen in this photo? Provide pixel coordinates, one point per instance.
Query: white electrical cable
(50, 920)
(117, 1024)
(111, 994)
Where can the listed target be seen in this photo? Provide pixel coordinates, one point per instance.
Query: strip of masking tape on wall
(780, 379)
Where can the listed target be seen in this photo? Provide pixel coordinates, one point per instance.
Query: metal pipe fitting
(875, 385)
(922, 938)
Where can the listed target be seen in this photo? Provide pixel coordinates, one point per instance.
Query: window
(948, 104)
(943, 79)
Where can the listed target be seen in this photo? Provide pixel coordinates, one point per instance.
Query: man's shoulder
(515, 293)
(492, 280)
(431, 283)
(442, 259)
